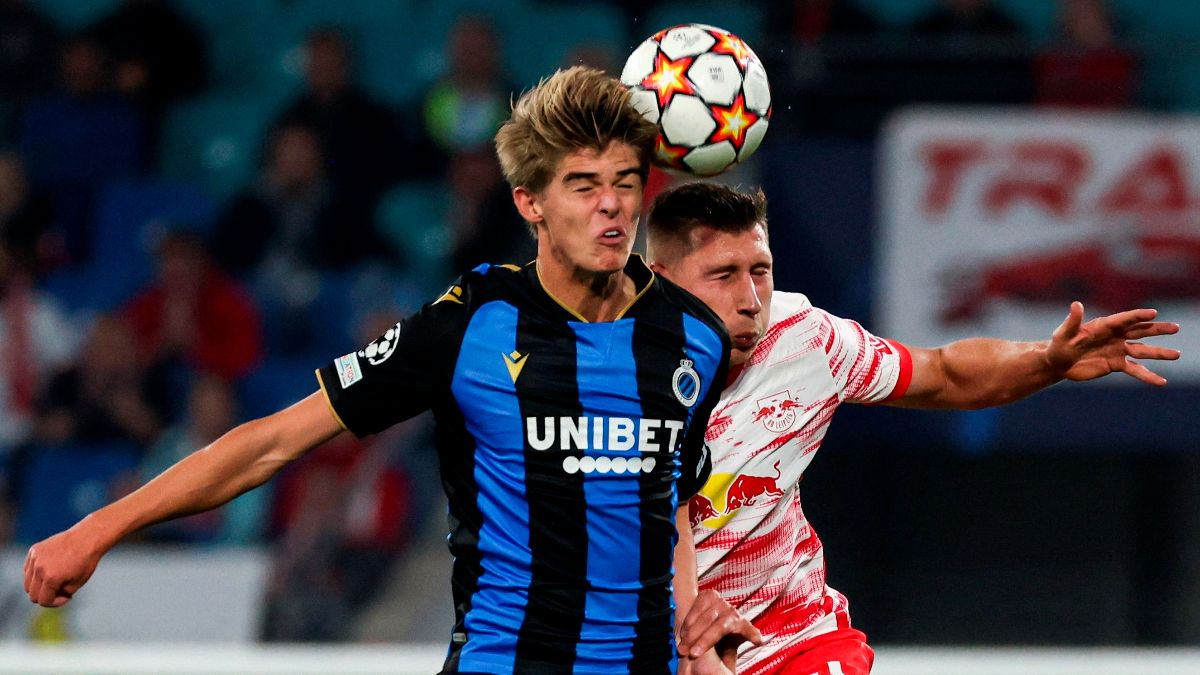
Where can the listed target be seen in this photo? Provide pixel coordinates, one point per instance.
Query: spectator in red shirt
(195, 314)
(1085, 67)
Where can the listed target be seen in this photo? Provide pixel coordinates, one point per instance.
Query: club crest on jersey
(382, 348)
(686, 383)
(777, 412)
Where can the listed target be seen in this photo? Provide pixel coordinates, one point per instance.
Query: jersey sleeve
(865, 367)
(403, 372)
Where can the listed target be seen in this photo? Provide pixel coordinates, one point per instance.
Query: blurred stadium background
(201, 201)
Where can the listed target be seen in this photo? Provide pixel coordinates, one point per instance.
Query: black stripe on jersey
(658, 347)
(557, 507)
(456, 454)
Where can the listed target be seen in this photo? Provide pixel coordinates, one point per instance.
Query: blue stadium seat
(216, 141)
(412, 217)
(233, 32)
(278, 383)
(130, 217)
(435, 21)
(744, 20)
(64, 483)
(262, 50)
(549, 37)
(72, 15)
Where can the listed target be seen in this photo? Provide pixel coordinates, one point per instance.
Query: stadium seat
(64, 483)
(552, 33)
(72, 15)
(233, 32)
(412, 217)
(130, 216)
(216, 140)
(435, 20)
(278, 383)
(262, 51)
(744, 20)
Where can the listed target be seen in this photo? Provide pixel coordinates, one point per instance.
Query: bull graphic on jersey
(777, 412)
(725, 493)
(745, 489)
(700, 509)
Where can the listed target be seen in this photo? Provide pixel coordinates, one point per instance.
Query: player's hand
(712, 623)
(707, 664)
(57, 567)
(1109, 344)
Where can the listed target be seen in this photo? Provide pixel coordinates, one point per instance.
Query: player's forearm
(207, 478)
(685, 584)
(239, 461)
(985, 372)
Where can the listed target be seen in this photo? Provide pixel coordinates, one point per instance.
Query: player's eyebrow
(581, 175)
(595, 177)
(722, 269)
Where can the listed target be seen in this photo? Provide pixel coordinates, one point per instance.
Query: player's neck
(593, 296)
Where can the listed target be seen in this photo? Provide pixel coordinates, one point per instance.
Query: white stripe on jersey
(753, 543)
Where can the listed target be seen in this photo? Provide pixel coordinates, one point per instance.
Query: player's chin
(738, 356)
(610, 260)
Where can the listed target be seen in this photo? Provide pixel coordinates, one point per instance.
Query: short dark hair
(679, 210)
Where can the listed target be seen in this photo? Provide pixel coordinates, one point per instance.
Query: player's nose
(608, 204)
(746, 296)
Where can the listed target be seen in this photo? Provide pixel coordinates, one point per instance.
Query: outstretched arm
(982, 372)
(239, 461)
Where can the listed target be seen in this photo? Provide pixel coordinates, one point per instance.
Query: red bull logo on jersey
(777, 412)
(725, 493)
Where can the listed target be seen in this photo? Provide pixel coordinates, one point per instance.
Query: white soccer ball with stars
(708, 93)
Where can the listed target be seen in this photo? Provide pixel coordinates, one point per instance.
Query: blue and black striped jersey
(565, 448)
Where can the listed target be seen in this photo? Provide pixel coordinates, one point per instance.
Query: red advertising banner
(992, 222)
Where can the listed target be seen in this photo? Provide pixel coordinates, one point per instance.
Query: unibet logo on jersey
(619, 434)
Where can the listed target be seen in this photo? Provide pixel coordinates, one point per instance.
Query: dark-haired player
(792, 365)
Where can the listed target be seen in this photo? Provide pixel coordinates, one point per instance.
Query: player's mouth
(745, 340)
(613, 236)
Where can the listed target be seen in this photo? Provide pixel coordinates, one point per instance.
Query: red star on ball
(728, 43)
(669, 78)
(732, 122)
(668, 154)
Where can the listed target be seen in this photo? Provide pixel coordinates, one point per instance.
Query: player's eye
(625, 186)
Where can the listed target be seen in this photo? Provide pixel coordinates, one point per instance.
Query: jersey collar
(636, 269)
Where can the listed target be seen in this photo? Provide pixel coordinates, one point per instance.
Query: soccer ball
(707, 92)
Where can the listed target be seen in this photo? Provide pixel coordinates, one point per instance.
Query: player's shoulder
(681, 300)
(786, 304)
(485, 282)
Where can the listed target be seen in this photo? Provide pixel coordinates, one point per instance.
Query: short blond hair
(571, 110)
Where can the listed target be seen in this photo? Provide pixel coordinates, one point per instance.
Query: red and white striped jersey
(753, 544)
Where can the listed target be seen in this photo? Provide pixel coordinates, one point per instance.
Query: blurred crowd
(179, 249)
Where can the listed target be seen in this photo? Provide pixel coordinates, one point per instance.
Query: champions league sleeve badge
(685, 382)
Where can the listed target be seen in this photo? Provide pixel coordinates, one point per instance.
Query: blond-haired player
(570, 395)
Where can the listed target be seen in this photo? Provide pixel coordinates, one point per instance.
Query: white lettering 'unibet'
(620, 433)
(606, 433)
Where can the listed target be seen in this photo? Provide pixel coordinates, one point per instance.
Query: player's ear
(660, 269)
(528, 204)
